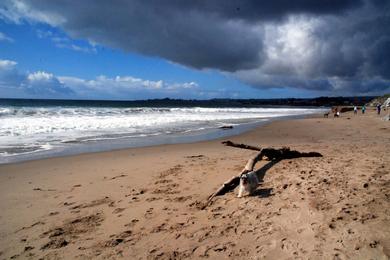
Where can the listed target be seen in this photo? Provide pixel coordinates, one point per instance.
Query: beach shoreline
(141, 203)
(76, 148)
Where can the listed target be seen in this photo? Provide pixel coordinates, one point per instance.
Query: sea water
(32, 130)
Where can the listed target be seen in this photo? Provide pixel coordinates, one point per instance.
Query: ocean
(34, 129)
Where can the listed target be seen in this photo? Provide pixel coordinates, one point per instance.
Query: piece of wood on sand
(271, 154)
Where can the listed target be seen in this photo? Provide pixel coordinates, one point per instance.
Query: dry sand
(143, 203)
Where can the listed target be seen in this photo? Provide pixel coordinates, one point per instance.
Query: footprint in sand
(153, 199)
(168, 190)
(132, 223)
(63, 235)
(159, 228)
(120, 238)
(118, 210)
(179, 199)
(118, 176)
(163, 181)
(31, 226)
(149, 213)
(134, 199)
(172, 171)
(94, 203)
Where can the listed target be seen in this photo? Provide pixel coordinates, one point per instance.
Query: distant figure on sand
(363, 109)
(378, 109)
(326, 114)
(336, 112)
(355, 110)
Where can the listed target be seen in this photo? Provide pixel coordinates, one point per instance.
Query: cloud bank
(340, 46)
(41, 84)
(14, 83)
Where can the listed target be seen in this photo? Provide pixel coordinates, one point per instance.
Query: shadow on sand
(264, 193)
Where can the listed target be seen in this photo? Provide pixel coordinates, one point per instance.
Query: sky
(145, 49)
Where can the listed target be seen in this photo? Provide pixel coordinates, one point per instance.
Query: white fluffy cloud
(41, 84)
(10, 78)
(127, 87)
(40, 76)
(7, 64)
(14, 83)
(45, 84)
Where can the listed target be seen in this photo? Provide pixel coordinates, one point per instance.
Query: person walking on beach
(355, 110)
(378, 109)
(336, 112)
(363, 109)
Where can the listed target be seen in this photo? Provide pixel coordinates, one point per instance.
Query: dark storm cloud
(301, 44)
(255, 10)
(343, 54)
(199, 34)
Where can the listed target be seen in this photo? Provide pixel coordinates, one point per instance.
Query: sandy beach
(144, 203)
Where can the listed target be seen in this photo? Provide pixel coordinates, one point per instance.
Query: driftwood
(275, 155)
(225, 127)
(243, 146)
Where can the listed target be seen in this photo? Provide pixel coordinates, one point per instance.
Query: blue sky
(47, 54)
(33, 48)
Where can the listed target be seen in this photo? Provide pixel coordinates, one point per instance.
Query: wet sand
(143, 203)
